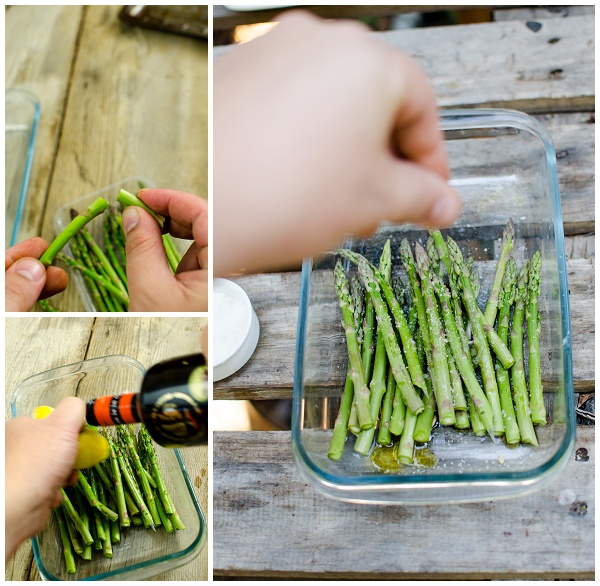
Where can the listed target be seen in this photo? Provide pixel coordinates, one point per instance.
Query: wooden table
(36, 344)
(116, 101)
(269, 523)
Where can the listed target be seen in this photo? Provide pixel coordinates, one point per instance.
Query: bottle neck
(114, 410)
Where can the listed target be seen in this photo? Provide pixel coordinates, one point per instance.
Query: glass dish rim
(34, 101)
(194, 548)
(456, 119)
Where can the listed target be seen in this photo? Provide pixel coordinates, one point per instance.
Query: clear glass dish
(503, 164)
(22, 114)
(142, 553)
(62, 217)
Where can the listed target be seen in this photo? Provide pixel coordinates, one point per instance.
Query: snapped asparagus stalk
(406, 445)
(401, 375)
(83, 513)
(94, 501)
(361, 391)
(438, 346)
(463, 362)
(484, 357)
(518, 369)
(93, 210)
(384, 435)
(377, 386)
(505, 301)
(66, 542)
(127, 199)
(491, 308)
(79, 525)
(534, 325)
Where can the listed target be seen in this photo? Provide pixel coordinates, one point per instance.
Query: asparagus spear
(406, 445)
(484, 358)
(161, 487)
(518, 369)
(66, 542)
(412, 400)
(438, 347)
(93, 499)
(505, 301)
(127, 199)
(384, 435)
(534, 324)
(377, 386)
(93, 210)
(361, 391)
(491, 307)
(462, 359)
(79, 525)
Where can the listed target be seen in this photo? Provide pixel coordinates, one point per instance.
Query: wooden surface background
(116, 101)
(269, 523)
(36, 344)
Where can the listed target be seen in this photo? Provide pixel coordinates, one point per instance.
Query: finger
(148, 272)
(417, 135)
(30, 248)
(414, 194)
(69, 415)
(24, 281)
(56, 282)
(188, 212)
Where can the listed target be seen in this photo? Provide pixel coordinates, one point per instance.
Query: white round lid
(235, 328)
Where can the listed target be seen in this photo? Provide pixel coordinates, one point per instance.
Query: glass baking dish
(142, 553)
(503, 164)
(22, 114)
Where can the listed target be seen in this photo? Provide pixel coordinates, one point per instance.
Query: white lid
(235, 328)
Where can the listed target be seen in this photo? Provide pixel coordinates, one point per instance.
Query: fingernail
(445, 210)
(130, 218)
(31, 269)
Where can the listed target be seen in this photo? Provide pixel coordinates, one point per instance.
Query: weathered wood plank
(137, 106)
(505, 64)
(40, 45)
(269, 522)
(275, 300)
(583, 246)
(36, 344)
(537, 12)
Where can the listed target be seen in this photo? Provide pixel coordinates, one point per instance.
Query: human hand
(320, 131)
(26, 278)
(152, 285)
(39, 458)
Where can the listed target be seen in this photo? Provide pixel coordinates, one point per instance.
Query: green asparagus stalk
(118, 485)
(505, 302)
(534, 324)
(484, 358)
(108, 285)
(73, 535)
(93, 499)
(66, 542)
(127, 199)
(161, 487)
(91, 284)
(377, 386)
(406, 445)
(79, 525)
(518, 369)
(361, 391)
(93, 210)
(83, 513)
(384, 435)
(111, 252)
(438, 347)
(462, 359)
(164, 517)
(491, 307)
(46, 305)
(411, 398)
(141, 476)
(173, 256)
(462, 420)
(425, 420)
(398, 412)
(103, 260)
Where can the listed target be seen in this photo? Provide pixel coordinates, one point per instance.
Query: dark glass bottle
(172, 403)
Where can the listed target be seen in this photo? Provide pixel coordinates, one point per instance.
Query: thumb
(69, 415)
(415, 194)
(146, 258)
(24, 281)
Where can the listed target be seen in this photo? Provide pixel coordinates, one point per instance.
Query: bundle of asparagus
(126, 489)
(434, 345)
(103, 269)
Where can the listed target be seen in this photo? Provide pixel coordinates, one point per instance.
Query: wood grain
(35, 344)
(269, 522)
(40, 46)
(504, 64)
